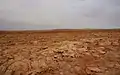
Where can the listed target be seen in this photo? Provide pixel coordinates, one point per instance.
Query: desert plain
(60, 52)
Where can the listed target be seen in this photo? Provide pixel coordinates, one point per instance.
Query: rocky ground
(81, 52)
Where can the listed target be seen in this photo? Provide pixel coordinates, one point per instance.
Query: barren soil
(60, 52)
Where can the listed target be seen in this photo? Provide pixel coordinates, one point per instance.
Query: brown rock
(95, 55)
(8, 72)
(94, 69)
(102, 52)
(105, 43)
(55, 56)
(77, 68)
(35, 65)
(2, 69)
(35, 42)
(87, 53)
(61, 73)
(115, 43)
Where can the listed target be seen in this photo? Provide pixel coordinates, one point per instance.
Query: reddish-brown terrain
(60, 52)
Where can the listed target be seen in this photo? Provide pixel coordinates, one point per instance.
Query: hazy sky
(47, 14)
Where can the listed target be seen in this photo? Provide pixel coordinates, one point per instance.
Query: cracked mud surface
(60, 53)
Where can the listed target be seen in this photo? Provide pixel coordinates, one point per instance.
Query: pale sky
(57, 14)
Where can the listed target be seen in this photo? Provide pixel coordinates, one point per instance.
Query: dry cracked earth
(57, 52)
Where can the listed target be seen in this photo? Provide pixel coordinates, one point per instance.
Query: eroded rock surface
(60, 53)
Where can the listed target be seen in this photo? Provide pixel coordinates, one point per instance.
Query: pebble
(55, 56)
(105, 43)
(61, 73)
(96, 55)
(87, 53)
(94, 69)
(102, 52)
(35, 42)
